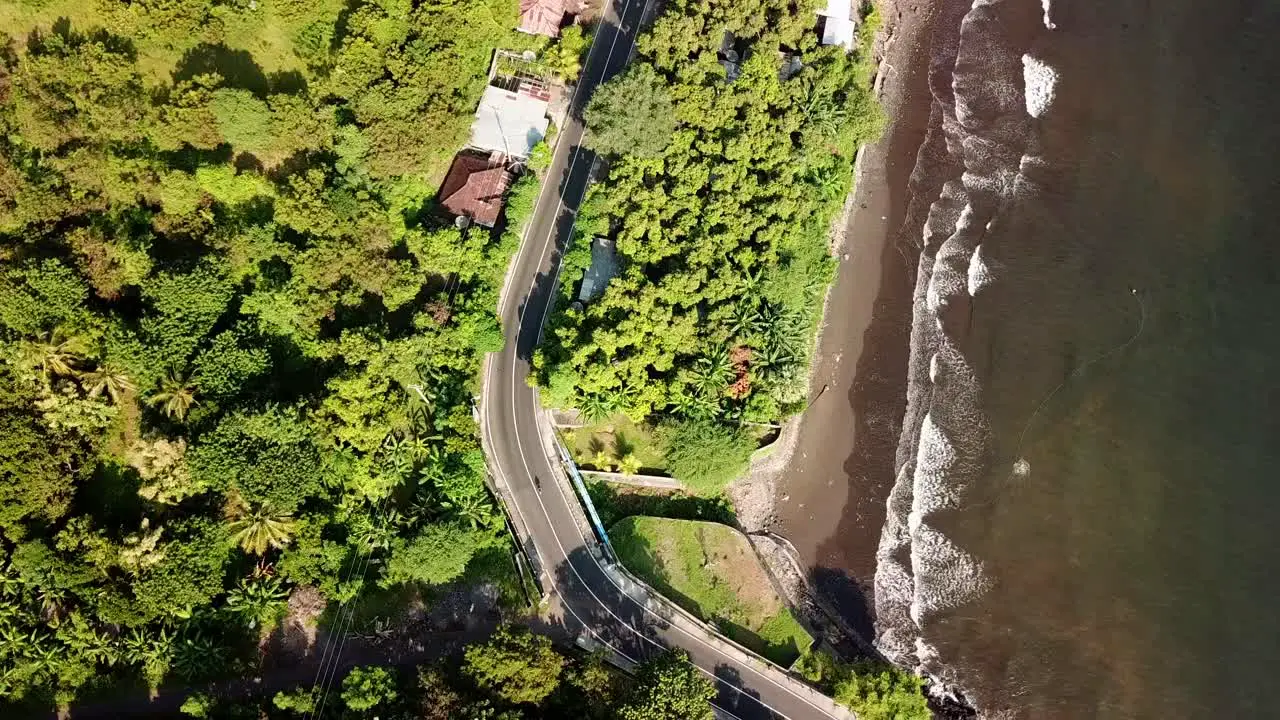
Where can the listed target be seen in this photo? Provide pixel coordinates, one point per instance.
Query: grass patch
(614, 502)
(710, 570)
(268, 33)
(607, 445)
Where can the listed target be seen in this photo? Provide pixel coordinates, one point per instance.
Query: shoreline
(822, 491)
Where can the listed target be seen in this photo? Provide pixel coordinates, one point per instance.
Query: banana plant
(196, 656)
(259, 601)
(79, 635)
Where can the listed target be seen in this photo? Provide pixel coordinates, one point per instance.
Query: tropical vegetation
(711, 570)
(873, 690)
(494, 681)
(238, 343)
(722, 182)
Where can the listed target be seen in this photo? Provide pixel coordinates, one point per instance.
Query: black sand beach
(831, 497)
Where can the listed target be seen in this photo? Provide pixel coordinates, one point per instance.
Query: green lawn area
(269, 34)
(604, 445)
(710, 570)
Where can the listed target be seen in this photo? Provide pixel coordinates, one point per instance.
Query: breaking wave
(988, 84)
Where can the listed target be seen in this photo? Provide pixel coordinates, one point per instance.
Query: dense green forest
(512, 676)
(720, 193)
(238, 346)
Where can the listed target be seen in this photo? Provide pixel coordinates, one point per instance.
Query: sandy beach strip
(824, 484)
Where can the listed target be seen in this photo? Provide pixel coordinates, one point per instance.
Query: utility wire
(328, 671)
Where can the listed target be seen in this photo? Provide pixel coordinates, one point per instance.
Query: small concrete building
(838, 25)
(604, 265)
(509, 122)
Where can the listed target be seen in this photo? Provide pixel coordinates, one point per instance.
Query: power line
(328, 670)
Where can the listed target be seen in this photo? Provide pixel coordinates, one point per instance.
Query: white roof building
(509, 122)
(838, 27)
(604, 265)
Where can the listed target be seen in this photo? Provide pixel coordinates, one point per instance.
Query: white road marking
(524, 460)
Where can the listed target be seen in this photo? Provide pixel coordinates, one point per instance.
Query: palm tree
(428, 387)
(53, 601)
(603, 461)
(419, 447)
(823, 114)
(712, 372)
(747, 284)
(595, 407)
(695, 405)
(745, 321)
(473, 508)
(176, 395)
(260, 602)
(376, 532)
(397, 462)
(86, 641)
(773, 357)
(784, 329)
(196, 657)
(55, 353)
(10, 583)
(45, 655)
(257, 529)
(105, 378)
(152, 650)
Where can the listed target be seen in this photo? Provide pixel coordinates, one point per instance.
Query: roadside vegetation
(237, 346)
(710, 570)
(873, 690)
(615, 444)
(514, 675)
(719, 194)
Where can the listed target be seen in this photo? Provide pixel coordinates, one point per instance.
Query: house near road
(510, 120)
(474, 188)
(512, 115)
(544, 17)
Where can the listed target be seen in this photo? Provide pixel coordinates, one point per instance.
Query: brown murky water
(1110, 388)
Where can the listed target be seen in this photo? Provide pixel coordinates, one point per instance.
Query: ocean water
(1086, 517)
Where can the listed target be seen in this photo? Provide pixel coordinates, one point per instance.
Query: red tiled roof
(541, 17)
(474, 188)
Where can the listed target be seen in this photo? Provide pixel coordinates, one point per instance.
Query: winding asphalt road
(545, 510)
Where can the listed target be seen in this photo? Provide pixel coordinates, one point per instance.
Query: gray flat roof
(508, 122)
(604, 265)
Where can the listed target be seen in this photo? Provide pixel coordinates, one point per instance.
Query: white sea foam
(925, 574)
(1048, 21)
(980, 275)
(1040, 80)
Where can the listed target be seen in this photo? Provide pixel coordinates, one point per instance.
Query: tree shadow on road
(734, 697)
(570, 188)
(591, 599)
(628, 629)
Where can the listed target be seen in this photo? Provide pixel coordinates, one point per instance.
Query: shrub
(367, 687)
(516, 665)
(706, 455)
(882, 692)
(631, 114)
